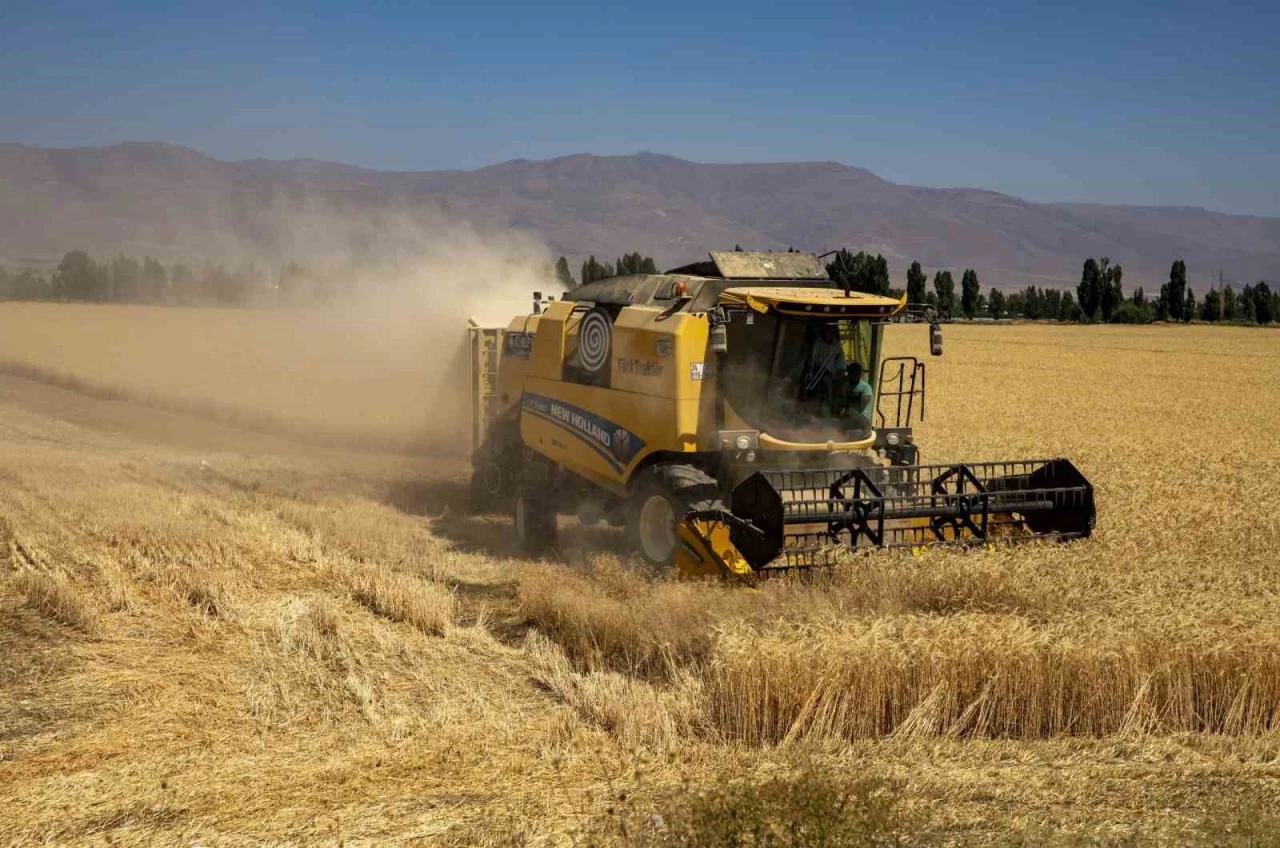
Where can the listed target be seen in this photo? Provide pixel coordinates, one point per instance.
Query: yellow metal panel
(657, 356)
(516, 349)
(599, 433)
(547, 359)
(694, 363)
(644, 353)
(706, 550)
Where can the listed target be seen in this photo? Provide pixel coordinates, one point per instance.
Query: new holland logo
(615, 443)
(622, 445)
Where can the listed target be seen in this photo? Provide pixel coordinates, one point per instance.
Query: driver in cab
(858, 399)
(819, 374)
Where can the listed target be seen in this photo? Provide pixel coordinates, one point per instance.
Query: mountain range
(174, 202)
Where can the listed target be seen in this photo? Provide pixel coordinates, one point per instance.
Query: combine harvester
(718, 413)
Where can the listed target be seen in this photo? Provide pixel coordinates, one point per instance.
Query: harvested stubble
(427, 606)
(55, 596)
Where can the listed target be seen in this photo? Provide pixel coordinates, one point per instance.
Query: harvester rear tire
(535, 522)
(487, 483)
(661, 499)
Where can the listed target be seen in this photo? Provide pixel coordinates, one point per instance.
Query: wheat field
(218, 626)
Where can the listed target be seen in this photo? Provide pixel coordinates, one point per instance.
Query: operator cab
(802, 380)
(801, 359)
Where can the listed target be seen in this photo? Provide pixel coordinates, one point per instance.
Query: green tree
(593, 270)
(80, 278)
(1211, 306)
(126, 280)
(860, 272)
(969, 291)
(1189, 306)
(995, 303)
(563, 274)
(1052, 304)
(944, 288)
(1068, 309)
(1248, 305)
(916, 283)
(1131, 313)
(1111, 294)
(634, 263)
(1033, 302)
(28, 285)
(1173, 294)
(1264, 307)
(1015, 305)
(155, 281)
(881, 275)
(1230, 304)
(1089, 291)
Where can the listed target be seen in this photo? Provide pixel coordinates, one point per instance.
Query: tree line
(1099, 297)
(593, 270)
(126, 279)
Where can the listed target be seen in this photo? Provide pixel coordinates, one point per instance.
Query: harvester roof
(812, 302)
(791, 281)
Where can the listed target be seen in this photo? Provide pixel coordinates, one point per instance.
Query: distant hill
(173, 202)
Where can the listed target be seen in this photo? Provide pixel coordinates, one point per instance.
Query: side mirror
(537, 303)
(935, 339)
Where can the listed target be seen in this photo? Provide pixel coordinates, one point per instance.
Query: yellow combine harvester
(724, 412)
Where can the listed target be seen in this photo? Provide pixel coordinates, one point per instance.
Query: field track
(214, 634)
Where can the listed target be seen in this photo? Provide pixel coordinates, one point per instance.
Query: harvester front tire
(660, 502)
(535, 523)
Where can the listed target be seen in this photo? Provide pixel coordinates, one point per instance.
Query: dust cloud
(410, 317)
(382, 363)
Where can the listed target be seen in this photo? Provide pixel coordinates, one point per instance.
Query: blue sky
(1172, 103)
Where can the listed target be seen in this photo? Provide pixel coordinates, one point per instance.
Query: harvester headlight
(742, 443)
(892, 440)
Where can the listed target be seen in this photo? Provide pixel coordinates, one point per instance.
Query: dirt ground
(215, 636)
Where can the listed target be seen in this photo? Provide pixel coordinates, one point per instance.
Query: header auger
(725, 414)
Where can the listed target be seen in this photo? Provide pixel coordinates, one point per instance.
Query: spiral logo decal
(595, 337)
